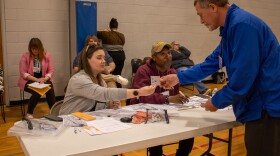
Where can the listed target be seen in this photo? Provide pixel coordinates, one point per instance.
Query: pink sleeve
(50, 68)
(24, 65)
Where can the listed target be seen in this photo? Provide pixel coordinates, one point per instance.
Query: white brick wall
(147, 21)
(45, 19)
(143, 23)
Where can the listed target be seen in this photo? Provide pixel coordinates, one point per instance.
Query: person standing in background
(113, 42)
(36, 65)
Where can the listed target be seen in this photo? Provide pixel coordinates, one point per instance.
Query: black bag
(219, 77)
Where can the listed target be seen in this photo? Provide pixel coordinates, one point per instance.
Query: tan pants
(110, 80)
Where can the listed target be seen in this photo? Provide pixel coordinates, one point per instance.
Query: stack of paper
(39, 88)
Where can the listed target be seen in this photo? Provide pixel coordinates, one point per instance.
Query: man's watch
(135, 93)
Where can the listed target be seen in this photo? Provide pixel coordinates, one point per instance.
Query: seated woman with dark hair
(87, 91)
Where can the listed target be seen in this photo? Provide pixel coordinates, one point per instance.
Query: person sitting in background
(181, 61)
(159, 66)
(109, 67)
(36, 65)
(86, 90)
(145, 60)
(113, 42)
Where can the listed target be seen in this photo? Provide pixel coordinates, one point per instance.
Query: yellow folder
(41, 91)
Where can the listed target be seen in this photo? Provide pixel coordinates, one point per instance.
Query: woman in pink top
(36, 66)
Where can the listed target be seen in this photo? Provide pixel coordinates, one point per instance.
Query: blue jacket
(251, 53)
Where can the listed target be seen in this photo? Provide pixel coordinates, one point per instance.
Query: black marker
(166, 116)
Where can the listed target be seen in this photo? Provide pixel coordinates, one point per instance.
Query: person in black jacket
(181, 61)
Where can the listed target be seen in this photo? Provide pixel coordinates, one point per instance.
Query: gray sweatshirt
(82, 94)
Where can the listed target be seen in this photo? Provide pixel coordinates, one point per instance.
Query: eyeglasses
(177, 44)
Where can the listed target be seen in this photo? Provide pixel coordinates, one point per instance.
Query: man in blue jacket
(251, 54)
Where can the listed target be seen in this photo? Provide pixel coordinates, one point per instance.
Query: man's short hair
(205, 3)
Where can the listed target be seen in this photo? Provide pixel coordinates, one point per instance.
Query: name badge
(36, 69)
(165, 93)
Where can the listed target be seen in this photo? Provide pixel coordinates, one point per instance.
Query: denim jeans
(201, 87)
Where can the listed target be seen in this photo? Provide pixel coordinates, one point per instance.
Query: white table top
(183, 124)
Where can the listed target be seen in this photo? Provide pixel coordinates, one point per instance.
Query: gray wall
(143, 23)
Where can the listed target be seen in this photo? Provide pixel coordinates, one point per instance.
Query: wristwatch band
(135, 93)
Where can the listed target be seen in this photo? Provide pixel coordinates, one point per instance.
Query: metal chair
(22, 102)
(2, 107)
(56, 107)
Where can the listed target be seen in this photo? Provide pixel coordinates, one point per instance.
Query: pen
(182, 94)
(147, 116)
(166, 116)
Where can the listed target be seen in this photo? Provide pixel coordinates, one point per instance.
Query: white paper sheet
(38, 85)
(105, 125)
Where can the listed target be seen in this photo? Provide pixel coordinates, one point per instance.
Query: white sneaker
(122, 80)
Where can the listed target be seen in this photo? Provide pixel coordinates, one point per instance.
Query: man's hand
(178, 99)
(209, 106)
(169, 81)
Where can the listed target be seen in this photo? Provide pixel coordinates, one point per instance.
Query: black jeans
(262, 137)
(50, 96)
(184, 149)
(118, 58)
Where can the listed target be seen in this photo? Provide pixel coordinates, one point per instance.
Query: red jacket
(143, 78)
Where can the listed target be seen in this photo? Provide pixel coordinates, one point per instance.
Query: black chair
(135, 64)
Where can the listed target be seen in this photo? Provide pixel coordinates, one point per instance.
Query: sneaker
(122, 80)
(207, 92)
(29, 116)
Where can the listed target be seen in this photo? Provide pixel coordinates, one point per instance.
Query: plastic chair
(56, 107)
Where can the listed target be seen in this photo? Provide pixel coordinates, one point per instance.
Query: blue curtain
(86, 21)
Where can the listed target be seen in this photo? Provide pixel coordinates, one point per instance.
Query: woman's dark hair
(84, 64)
(37, 44)
(114, 23)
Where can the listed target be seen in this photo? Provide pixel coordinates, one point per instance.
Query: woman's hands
(42, 80)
